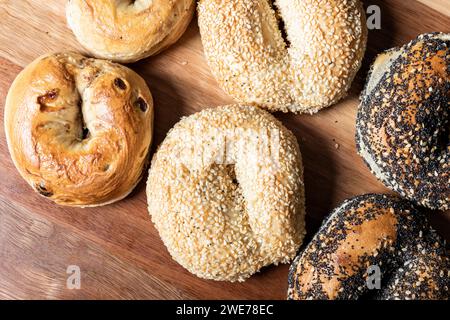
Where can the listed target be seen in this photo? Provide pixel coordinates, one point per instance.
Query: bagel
(312, 69)
(403, 121)
(223, 208)
(127, 31)
(79, 129)
(372, 230)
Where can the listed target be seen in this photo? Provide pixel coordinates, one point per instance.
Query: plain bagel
(362, 235)
(222, 211)
(403, 122)
(127, 31)
(79, 129)
(311, 69)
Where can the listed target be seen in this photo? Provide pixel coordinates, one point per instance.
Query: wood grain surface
(117, 247)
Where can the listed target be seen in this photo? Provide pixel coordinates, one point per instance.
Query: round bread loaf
(367, 237)
(79, 129)
(284, 55)
(127, 31)
(225, 192)
(403, 122)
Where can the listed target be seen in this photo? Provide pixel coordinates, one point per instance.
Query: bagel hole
(233, 189)
(85, 133)
(84, 129)
(281, 24)
(226, 182)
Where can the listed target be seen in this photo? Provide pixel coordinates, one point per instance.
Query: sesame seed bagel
(312, 69)
(226, 193)
(366, 233)
(79, 129)
(403, 122)
(127, 31)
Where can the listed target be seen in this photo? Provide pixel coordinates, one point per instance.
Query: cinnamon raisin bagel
(378, 231)
(127, 31)
(225, 192)
(284, 55)
(403, 122)
(79, 129)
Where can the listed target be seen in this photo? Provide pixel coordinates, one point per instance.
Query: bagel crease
(127, 31)
(225, 221)
(372, 230)
(403, 121)
(310, 70)
(79, 129)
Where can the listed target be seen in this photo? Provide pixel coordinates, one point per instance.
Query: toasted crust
(126, 32)
(403, 121)
(372, 230)
(79, 129)
(246, 52)
(225, 218)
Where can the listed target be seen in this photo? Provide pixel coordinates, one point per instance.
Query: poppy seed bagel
(127, 31)
(403, 123)
(79, 129)
(372, 231)
(311, 69)
(223, 211)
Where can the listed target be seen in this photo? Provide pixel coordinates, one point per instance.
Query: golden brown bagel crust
(224, 220)
(79, 129)
(372, 230)
(127, 31)
(403, 122)
(246, 52)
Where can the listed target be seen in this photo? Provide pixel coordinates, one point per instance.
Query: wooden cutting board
(117, 248)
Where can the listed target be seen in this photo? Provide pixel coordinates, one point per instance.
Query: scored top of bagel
(312, 68)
